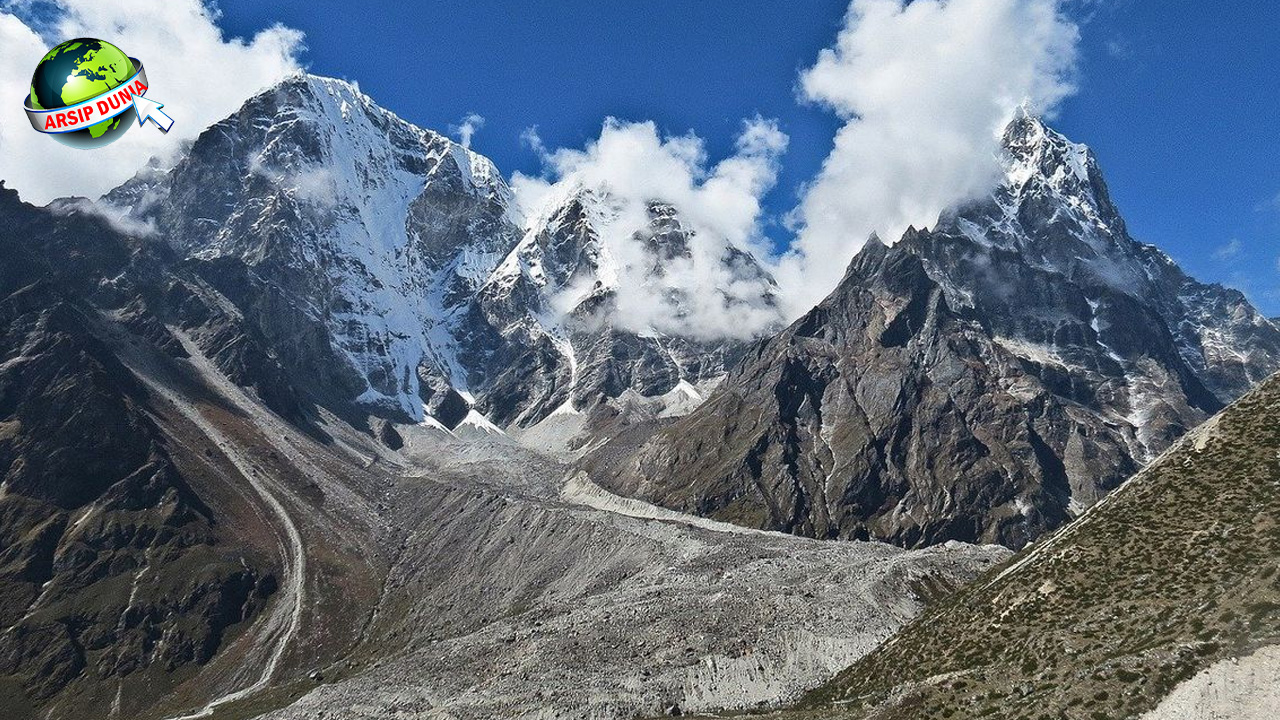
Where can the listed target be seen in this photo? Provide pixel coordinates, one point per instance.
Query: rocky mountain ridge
(985, 380)
(392, 267)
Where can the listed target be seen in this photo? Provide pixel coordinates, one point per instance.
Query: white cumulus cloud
(925, 89)
(198, 73)
(634, 165)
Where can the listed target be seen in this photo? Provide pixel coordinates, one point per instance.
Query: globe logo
(86, 93)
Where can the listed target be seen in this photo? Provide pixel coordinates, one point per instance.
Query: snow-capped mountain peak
(987, 379)
(404, 259)
(1036, 151)
(350, 114)
(1050, 264)
(368, 225)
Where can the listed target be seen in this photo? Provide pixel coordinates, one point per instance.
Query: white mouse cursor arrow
(149, 109)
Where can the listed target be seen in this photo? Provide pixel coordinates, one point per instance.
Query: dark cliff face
(983, 381)
(116, 571)
(1048, 261)
(883, 413)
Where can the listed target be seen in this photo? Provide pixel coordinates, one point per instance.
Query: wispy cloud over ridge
(1228, 251)
(467, 129)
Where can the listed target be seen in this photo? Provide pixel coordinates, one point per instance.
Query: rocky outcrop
(883, 414)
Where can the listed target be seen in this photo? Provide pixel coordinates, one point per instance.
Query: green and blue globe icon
(78, 70)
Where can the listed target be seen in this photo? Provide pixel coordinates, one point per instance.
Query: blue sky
(1179, 99)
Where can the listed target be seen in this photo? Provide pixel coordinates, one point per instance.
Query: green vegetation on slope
(1173, 572)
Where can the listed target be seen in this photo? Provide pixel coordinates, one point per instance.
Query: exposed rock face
(1244, 688)
(986, 380)
(1050, 264)
(391, 272)
(1072, 628)
(114, 573)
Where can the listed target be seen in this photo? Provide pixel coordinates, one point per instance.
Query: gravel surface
(520, 589)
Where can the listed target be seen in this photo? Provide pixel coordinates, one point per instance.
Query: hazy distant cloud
(1119, 48)
(317, 185)
(925, 89)
(468, 128)
(118, 218)
(633, 165)
(199, 74)
(1229, 251)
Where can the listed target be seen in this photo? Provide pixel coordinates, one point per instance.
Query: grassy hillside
(1173, 572)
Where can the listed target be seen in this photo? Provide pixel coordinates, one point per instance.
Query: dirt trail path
(281, 626)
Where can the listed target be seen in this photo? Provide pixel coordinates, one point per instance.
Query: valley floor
(511, 587)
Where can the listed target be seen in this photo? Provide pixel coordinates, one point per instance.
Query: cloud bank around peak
(200, 75)
(631, 165)
(925, 89)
